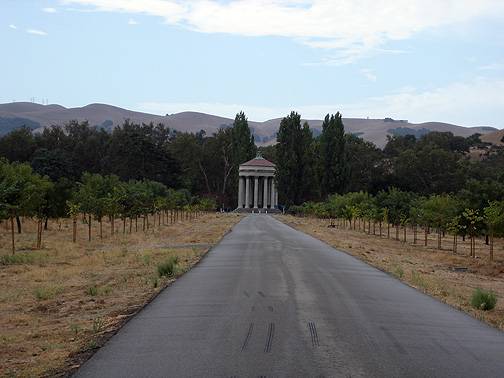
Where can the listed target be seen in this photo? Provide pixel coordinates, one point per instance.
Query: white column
(256, 191)
(240, 192)
(265, 192)
(273, 194)
(247, 192)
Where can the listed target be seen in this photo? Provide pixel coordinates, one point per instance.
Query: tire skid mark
(395, 342)
(313, 334)
(247, 336)
(269, 340)
(261, 294)
(245, 292)
(270, 308)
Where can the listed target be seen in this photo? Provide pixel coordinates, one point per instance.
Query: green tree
(294, 161)
(494, 219)
(333, 157)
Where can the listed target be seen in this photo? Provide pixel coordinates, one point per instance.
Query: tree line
(95, 197)
(443, 213)
(203, 165)
(310, 168)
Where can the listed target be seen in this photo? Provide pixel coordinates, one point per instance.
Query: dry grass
(68, 297)
(435, 272)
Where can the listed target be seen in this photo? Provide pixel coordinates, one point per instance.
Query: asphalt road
(269, 301)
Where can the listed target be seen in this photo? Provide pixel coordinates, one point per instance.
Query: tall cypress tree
(334, 174)
(244, 147)
(294, 160)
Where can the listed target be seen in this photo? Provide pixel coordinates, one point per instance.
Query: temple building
(256, 186)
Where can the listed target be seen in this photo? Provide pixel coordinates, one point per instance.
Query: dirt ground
(450, 277)
(60, 303)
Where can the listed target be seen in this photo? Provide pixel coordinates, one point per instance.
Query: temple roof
(258, 161)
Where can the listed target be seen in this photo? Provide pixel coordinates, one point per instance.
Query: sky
(420, 60)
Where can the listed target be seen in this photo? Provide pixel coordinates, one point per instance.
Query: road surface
(270, 301)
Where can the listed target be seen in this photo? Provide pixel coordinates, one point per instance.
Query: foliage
(334, 173)
(483, 300)
(167, 268)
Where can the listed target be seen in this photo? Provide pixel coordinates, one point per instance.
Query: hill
(496, 137)
(37, 116)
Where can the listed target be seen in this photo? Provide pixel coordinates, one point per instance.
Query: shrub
(168, 267)
(483, 300)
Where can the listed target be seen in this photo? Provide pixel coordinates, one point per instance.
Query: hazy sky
(419, 60)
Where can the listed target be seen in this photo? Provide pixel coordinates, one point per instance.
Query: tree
(294, 160)
(243, 145)
(138, 152)
(494, 219)
(22, 193)
(18, 145)
(439, 211)
(334, 175)
(472, 224)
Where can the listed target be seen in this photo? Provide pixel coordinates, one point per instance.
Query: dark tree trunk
(18, 221)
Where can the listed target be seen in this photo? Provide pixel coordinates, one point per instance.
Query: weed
(44, 293)
(16, 259)
(75, 328)
(168, 268)
(155, 282)
(95, 290)
(92, 290)
(146, 259)
(398, 272)
(92, 344)
(483, 300)
(98, 325)
(418, 280)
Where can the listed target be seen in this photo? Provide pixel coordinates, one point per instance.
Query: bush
(483, 300)
(167, 268)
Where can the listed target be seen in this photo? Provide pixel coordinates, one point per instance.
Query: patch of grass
(20, 258)
(483, 300)
(398, 272)
(75, 328)
(418, 280)
(168, 268)
(98, 325)
(95, 290)
(146, 259)
(92, 291)
(44, 293)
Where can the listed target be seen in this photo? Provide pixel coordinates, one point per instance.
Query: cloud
(368, 74)
(473, 103)
(352, 27)
(36, 32)
(131, 21)
(492, 67)
(49, 10)
(12, 26)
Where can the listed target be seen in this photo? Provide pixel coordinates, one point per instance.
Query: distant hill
(496, 137)
(36, 116)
